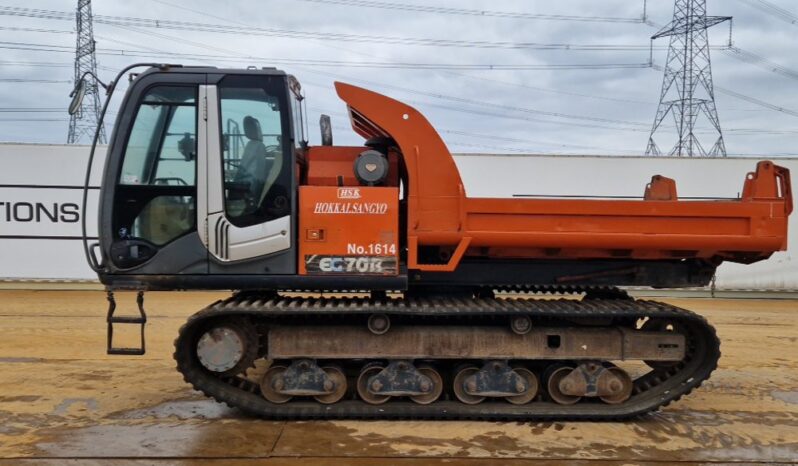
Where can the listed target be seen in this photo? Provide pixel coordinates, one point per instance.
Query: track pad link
(400, 378)
(495, 379)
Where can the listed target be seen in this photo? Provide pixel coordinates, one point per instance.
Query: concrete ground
(62, 400)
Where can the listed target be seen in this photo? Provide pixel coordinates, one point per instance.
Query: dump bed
(658, 226)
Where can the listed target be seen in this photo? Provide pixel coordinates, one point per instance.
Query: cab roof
(177, 68)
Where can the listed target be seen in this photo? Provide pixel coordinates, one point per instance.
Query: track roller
(376, 384)
(553, 377)
(532, 387)
(459, 386)
(624, 382)
(567, 385)
(435, 391)
(271, 383)
(369, 371)
(495, 379)
(339, 385)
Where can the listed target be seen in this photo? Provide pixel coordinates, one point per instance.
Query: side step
(141, 320)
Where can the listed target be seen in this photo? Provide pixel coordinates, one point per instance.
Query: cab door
(148, 203)
(246, 175)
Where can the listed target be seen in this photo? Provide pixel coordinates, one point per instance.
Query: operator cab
(201, 174)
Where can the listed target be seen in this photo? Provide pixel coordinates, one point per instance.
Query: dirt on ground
(63, 400)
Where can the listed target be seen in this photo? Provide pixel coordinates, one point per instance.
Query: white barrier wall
(41, 189)
(40, 199)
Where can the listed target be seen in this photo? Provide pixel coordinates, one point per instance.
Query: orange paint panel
(590, 224)
(348, 230)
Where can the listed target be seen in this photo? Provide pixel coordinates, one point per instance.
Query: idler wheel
(227, 349)
(459, 386)
(339, 379)
(362, 385)
(553, 386)
(625, 389)
(531, 391)
(271, 383)
(434, 391)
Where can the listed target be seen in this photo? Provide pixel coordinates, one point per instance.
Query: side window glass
(162, 146)
(158, 176)
(177, 159)
(256, 174)
(164, 219)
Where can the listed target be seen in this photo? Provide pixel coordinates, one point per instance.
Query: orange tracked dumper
(428, 305)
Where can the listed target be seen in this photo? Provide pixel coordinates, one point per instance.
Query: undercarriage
(446, 357)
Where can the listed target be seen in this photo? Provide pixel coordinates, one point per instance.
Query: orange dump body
(658, 226)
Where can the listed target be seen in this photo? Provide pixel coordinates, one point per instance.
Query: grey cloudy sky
(604, 111)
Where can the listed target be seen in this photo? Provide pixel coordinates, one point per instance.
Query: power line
(13, 120)
(479, 135)
(38, 30)
(750, 57)
(326, 36)
(26, 80)
(31, 110)
(492, 147)
(759, 60)
(774, 10)
(526, 141)
(448, 108)
(434, 95)
(404, 89)
(756, 101)
(35, 47)
(520, 117)
(455, 73)
(439, 96)
(37, 63)
(125, 52)
(513, 108)
(553, 91)
(472, 12)
(746, 98)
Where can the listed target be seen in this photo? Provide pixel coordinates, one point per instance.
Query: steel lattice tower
(84, 121)
(687, 90)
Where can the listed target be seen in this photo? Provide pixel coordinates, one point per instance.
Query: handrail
(87, 250)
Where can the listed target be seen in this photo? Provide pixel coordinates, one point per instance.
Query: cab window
(256, 168)
(162, 144)
(156, 192)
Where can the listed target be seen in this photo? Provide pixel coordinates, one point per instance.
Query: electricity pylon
(84, 121)
(687, 90)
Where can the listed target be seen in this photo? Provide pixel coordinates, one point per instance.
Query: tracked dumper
(369, 285)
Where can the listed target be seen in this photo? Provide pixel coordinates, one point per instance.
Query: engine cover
(348, 230)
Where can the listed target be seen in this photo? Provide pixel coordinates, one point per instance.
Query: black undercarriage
(258, 384)
(470, 274)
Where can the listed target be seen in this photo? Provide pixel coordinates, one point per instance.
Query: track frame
(651, 391)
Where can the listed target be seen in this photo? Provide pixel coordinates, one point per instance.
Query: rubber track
(652, 391)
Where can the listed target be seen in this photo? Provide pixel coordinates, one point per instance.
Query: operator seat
(251, 170)
(253, 161)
